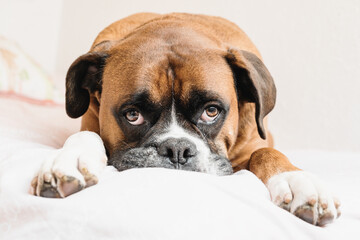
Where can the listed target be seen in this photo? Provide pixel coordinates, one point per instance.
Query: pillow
(21, 77)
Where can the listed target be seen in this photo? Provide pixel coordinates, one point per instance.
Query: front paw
(76, 166)
(305, 196)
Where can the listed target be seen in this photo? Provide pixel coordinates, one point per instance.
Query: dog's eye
(134, 117)
(209, 115)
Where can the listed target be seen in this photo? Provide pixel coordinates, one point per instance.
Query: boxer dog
(178, 91)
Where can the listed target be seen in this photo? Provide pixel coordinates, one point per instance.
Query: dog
(178, 91)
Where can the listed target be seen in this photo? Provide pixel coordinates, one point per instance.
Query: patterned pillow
(21, 77)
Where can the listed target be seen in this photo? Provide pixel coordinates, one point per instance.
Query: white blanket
(154, 203)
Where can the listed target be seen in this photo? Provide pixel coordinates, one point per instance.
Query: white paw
(305, 196)
(75, 166)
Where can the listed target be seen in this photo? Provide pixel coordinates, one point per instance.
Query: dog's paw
(72, 168)
(305, 196)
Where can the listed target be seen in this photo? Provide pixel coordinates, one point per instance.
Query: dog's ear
(83, 78)
(253, 84)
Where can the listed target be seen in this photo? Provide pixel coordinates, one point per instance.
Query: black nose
(178, 150)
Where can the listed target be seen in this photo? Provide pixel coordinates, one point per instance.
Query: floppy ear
(83, 78)
(253, 84)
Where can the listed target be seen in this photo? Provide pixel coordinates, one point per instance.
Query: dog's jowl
(178, 91)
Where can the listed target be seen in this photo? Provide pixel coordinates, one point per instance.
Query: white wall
(34, 25)
(311, 47)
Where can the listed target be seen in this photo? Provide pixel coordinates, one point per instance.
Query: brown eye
(209, 114)
(212, 111)
(134, 117)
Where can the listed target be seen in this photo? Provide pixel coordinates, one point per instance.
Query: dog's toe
(90, 178)
(69, 180)
(307, 213)
(325, 218)
(90, 166)
(49, 191)
(304, 195)
(68, 185)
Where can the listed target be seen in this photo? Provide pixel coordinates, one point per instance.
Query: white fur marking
(174, 130)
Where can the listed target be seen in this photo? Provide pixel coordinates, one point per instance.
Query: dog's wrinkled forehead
(179, 84)
(164, 71)
(163, 79)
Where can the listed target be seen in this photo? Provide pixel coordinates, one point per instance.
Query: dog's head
(161, 102)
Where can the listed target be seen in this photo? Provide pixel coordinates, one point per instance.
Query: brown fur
(239, 139)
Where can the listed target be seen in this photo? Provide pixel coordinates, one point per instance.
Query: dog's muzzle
(173, 153)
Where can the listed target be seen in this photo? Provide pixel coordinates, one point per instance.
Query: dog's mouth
(149, 157)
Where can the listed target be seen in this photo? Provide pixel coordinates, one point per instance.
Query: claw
(324, 205)
(285, 206)
(312, 200)
(288, 198)
(337, 203)
(33, 186)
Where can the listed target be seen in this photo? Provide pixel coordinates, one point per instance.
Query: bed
(153, 203)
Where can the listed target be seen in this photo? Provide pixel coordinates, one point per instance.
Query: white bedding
(154, 203)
